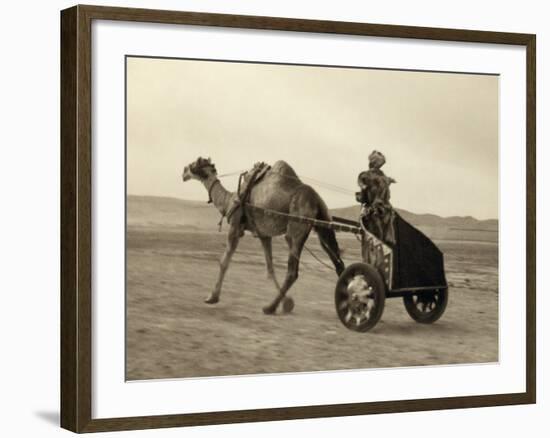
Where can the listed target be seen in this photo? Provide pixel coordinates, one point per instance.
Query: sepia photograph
(285, 218)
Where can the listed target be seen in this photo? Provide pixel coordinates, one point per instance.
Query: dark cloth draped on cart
(418, 261)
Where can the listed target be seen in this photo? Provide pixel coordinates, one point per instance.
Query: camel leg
(232, 241)
(329, 243)
(297, 235)
(266, 244)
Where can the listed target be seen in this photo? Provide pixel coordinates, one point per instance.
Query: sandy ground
(171, 333)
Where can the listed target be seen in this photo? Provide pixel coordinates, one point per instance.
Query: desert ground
(172, 333)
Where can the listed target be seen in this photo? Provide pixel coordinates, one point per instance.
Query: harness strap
(210, 190)
(243, 190)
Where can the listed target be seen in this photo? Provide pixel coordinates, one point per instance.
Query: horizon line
(337, 208)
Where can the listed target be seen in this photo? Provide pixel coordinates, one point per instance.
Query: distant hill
(437, 227)
(155, 210)
(198, 215)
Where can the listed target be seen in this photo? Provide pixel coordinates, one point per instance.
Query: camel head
(200, 169)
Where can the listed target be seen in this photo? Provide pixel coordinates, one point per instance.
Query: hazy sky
(439, 131)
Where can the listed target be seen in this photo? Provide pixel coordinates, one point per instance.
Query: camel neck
(219, 196)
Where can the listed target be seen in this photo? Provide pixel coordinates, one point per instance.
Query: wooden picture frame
(76, 217)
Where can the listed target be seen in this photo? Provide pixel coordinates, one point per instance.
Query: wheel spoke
(348, 316)
(344, 289)
(364, 296)
(371, 304)
(343, 305)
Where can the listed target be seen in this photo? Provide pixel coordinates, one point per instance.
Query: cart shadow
(408, 329)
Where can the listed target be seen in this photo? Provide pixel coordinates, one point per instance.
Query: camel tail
(327, 238)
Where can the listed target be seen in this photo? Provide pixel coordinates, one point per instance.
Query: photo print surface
(294, 218)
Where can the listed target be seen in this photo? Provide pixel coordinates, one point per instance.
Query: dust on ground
(171, 333)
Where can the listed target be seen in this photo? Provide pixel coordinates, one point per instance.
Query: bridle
(195, 167)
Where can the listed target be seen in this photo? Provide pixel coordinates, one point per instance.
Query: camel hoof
(288, 305)
(212, 299)
(269, 310)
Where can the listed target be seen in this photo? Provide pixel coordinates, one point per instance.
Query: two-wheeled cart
(412, 268)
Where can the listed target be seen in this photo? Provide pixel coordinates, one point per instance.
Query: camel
(281, 190)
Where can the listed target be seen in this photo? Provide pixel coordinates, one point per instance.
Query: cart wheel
(426, 307)
(359, 297)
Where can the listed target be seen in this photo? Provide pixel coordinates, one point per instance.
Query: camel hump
(283, 168)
